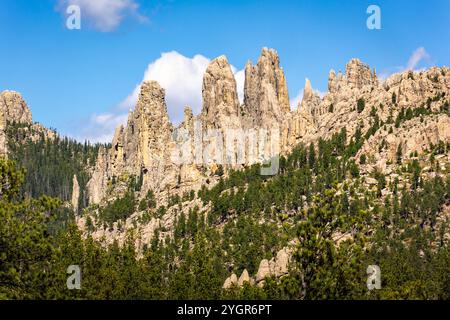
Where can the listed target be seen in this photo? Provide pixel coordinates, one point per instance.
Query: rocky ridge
(14, 110)
(147, 145)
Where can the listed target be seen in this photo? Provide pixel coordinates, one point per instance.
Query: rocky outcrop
(149, 145)
(234, 281)
(150, 130)
(358, 74)
(277, 267)
(142, 148)
(97, 184)
(75, 193)
(13, 108)
(311, 103)
(405, 90)
(220, 98)
(183, 158)
(244, 278)
(412, 136)
(332, 81)
(266, 96)
(230, 281)
(264, 270)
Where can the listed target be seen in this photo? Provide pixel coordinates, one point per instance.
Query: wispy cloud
(420, 54)
(296, 100)
(239, 75)
(418, 60)
(104, 15)
(99, 127)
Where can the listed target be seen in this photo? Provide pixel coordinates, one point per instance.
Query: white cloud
(104, 15)
(101, 127)
(182, 79)
(419, 57)
(240, 79)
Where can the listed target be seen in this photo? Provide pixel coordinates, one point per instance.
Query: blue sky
(81, 82)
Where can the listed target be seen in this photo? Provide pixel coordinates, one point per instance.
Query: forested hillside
(50, 163)
(317, 194)
(363, 180)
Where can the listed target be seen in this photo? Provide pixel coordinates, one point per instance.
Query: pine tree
(26, 253)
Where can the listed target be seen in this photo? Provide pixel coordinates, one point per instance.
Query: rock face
(172, 160)
(176, 159)
(406, 90)
(277, 266)
(263, 270)
(231, 280)
(150, 124)
(220, 98)
(97, 184)
(412, 136)
(13, 108)
(142, 148)
(281, 263)
(244, 278)
(266, 96)
(75, 193)
(311, 103)
(358, 74)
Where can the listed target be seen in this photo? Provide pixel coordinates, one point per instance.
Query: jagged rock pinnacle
(358, 74)
(220, 98)
(307, 91)
(13, 108)
(266, 97)
(332, 81)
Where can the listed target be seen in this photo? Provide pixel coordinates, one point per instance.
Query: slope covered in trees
(50, 163)
(318, 193)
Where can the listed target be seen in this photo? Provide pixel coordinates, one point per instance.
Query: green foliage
(409, 114)
(50, 164)
(148, 202)
(174, 200)
(445, 107)
(219, 172)
(321, 269)
(119, 209)
(26, 247)
(316, 197)
(399, 154)
(381, 182)
(360, 105)
(362, 159)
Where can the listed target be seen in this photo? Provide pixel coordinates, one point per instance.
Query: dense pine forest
(318, 192)
(50, 164)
